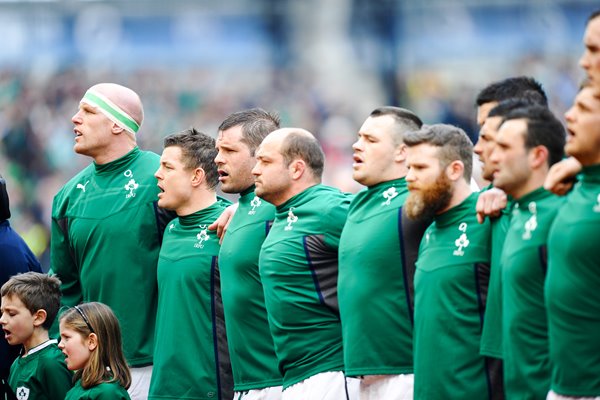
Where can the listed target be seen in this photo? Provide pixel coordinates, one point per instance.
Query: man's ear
(455, 170)
(297, 168)
(400, 153)
(116, 129)
(538, 156)
(39, 317)
(198, 176)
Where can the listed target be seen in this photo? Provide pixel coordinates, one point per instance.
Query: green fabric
(491, 336)
(524, 324)
(41, 375)
(103, 391)
(189, 326)
(105, 244)
(573, 290)
(252, 352)
(378, 337)
(298, 268)
(450, 286)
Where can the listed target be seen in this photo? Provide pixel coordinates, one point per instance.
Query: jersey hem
(491, 353)
(256, 385)
(314, 371)
(140, 362)
(379, 371)
(571, 392)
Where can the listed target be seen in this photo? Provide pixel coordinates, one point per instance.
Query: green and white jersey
(524, 326)
(299, 267)
(106, 233)
(451, 282)
(103, 391)
(191, 359)
(491, 335)
(573, 290)
(251, 347)
(41, 375)
(378, 249)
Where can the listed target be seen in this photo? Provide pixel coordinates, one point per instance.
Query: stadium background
(323, 65)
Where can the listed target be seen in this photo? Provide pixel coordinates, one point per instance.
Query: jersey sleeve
(63, 264)
(335, 218)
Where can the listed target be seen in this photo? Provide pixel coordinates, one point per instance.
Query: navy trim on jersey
(543, 255)
(482, 281)
(409, 287)
(323, 264)
(221, 349)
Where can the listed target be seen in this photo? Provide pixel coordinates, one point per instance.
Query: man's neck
(200, 200)
(462, 190)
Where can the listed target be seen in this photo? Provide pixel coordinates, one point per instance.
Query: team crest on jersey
(388, 195)
(597, 206)
(531, 224)
(255, 203)
(202, 237)
(131, 186)
(462, 241)
(22, 393)
(291, 219)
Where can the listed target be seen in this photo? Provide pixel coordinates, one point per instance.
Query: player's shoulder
(80, 178)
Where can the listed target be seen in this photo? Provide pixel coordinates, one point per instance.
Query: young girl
(90, 338)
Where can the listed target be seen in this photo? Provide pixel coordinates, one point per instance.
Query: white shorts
(268, 393)
(555, 396)
(388, 387)
(324, 386)
(140, 383)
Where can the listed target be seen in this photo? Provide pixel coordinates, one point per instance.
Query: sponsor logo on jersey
(171, 227)
(255, 203)
(291, 219)
(388, 195)
(462, 241)
(131, 186)
(82, 187)
(531, 224)
(202, 237)
(22, 393)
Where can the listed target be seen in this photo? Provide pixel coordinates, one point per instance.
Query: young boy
(30, 302)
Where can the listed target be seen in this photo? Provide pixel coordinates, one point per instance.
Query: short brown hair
(37, 292)
(452, 142)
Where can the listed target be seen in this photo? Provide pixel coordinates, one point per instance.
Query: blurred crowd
(36, 133)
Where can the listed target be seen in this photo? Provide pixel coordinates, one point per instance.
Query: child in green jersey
(30, 302)
(91, 342)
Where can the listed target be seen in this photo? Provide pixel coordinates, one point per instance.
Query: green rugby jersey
(41, 375)
(491, 336)
(573, 290)
(298, 267)
(103, 391)
(451, 284)
(251, 347)
(378, 249)
(106, 233)
(524, 323)
(191, 359)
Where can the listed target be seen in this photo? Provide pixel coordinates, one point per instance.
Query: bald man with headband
(106, 225)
